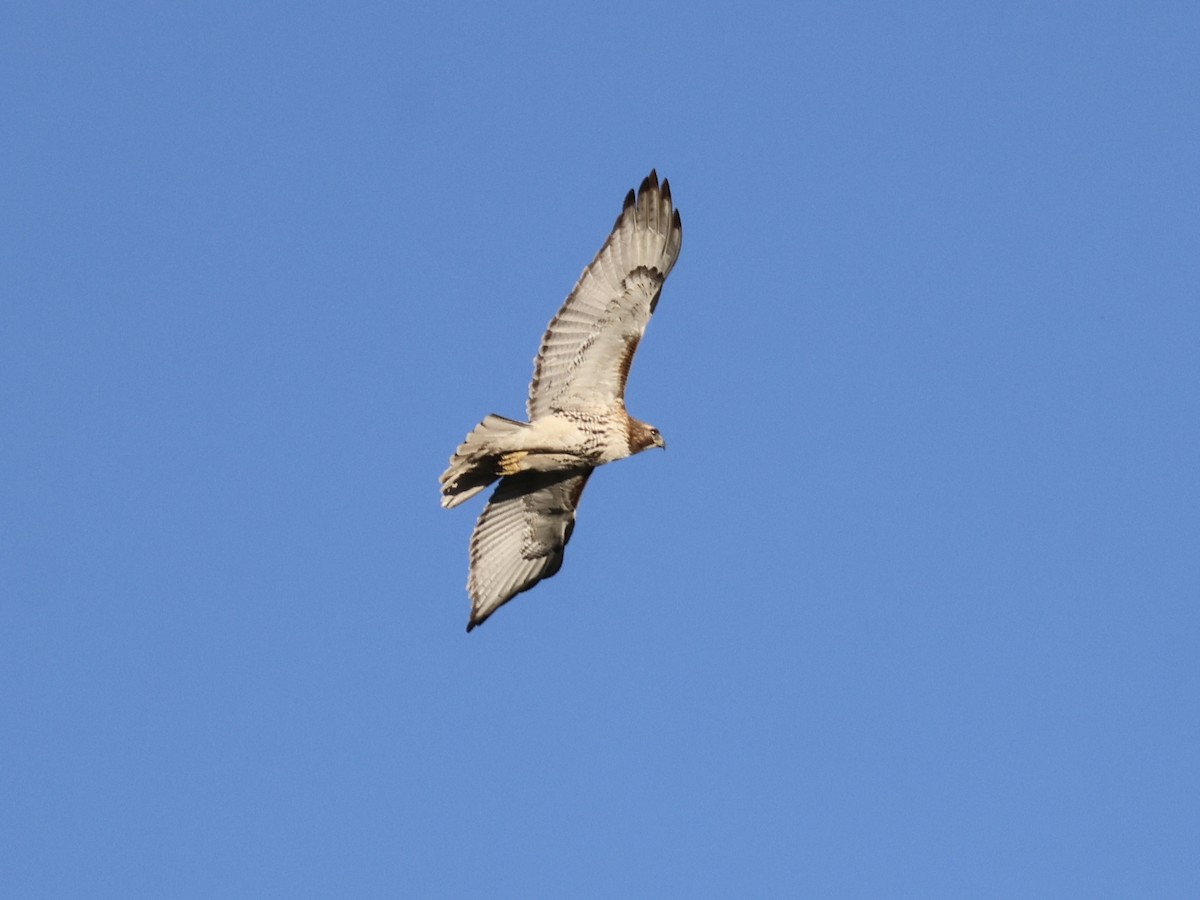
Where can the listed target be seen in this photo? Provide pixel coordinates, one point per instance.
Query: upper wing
(520, 537)
(586, 352)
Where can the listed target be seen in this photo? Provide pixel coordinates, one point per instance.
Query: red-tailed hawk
(577, 417)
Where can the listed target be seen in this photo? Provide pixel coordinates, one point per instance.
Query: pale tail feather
(478, 460)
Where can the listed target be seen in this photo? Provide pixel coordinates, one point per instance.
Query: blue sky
(908, 608)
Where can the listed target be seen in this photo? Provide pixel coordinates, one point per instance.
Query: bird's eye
(654, 431)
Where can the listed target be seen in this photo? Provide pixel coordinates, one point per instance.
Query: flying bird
(577, 418)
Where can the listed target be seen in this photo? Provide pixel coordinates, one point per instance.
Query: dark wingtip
(649, 183)
(666, 189)
(630, 200)
(471, 624)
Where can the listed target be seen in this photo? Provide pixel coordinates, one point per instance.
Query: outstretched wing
(586, 352)
(520, 536)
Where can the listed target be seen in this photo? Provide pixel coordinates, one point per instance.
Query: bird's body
(577, 417)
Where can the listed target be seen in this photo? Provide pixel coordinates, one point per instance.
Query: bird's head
(643, 437)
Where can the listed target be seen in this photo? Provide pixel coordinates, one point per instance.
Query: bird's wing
(586, 352)
(520, 536)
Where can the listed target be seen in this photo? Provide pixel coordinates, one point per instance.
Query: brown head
(643, 437)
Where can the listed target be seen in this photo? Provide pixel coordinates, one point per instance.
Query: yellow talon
(510, 463)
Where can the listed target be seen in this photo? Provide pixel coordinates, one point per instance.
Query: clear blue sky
(908, 608)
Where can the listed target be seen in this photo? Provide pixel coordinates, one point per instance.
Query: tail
(479, 459)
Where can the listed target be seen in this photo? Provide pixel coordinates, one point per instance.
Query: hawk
(577, 418)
